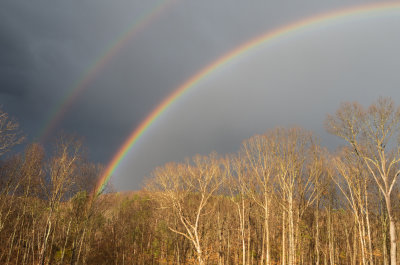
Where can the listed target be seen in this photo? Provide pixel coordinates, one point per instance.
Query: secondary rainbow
(269, 36)
(72, 94)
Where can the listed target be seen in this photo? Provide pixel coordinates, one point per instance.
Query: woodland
(282, 198)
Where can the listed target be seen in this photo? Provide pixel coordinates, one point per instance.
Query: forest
(282, 198)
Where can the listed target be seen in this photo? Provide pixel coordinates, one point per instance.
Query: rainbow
(369, 9)
(72, 94)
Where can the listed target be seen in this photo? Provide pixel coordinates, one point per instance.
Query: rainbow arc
(321, 19)
(88, 76)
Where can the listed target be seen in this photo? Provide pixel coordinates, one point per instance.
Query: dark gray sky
(46, 46)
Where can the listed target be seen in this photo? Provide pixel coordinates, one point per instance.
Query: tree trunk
(355, 249)
(220, 256)
(317, 234)
(392, 231)
(330, 238)
(291, 233)
(242, 223)
(249, 236)
(371, 261)
(45, 240)
(266, 224)
(384, 232)
(283, 237)
(65, 243)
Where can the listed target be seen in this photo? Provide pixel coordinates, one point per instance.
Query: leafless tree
(257, 154)
(373, 135)
(352, 180)
(9, 133)
(187, 189)
(237, 181)
(298, 168)
(62, 170)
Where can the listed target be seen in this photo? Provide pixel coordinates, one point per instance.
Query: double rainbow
(370, 9)
(73, 93)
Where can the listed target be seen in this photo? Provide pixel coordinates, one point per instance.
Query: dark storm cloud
(44, 48)
(14, 88)
(15, 61)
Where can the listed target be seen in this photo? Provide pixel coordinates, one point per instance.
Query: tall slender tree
(373, 135)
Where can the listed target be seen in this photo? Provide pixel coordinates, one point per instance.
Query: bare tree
(9, 133)
(237, 185)
(373, 135)
(187, 189)
(62, 170)
(298, 168)
(352, 180)
(258, 158)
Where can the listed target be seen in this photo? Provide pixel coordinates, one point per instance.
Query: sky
(48, 47)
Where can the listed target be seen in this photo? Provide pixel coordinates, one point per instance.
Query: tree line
(281, 199)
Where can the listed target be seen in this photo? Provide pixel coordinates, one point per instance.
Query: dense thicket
(281, 199)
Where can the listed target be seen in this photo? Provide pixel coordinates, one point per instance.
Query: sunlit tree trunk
(317, 233)
(284, 251)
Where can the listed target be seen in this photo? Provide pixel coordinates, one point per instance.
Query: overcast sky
(46, 47)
